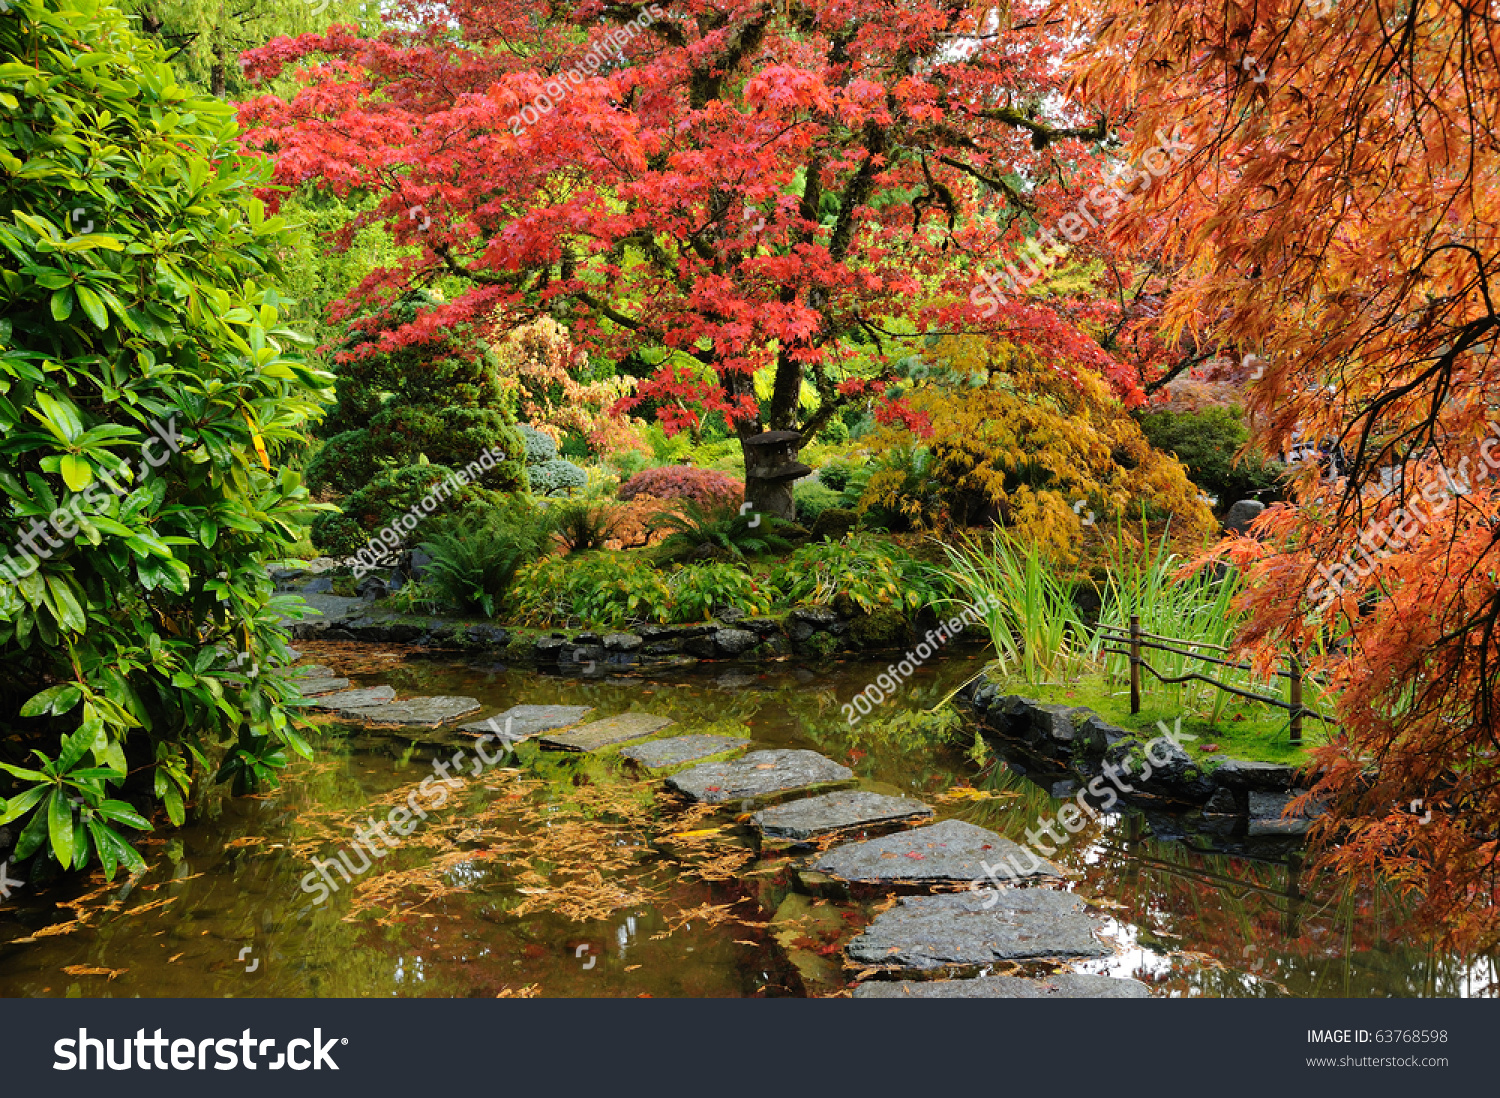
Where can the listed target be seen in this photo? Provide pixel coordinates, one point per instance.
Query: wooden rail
(1137, 640)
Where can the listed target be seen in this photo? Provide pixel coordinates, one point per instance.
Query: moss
(887, 628)
(822, 645)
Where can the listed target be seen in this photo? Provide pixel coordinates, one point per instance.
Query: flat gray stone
(312, 688)
(521, 722)
(1069, 985)
(757, 774)
(655, 754)
(357, 699)
(1262, 776)
(1266, 817)
(835, 812)
(597, 735)
(413, 712)
(947, 851)
(957, 929)
(311, 671)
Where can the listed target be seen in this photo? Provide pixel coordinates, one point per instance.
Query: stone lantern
(771, 467)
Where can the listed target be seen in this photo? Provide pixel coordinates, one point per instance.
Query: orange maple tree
(1339, 220)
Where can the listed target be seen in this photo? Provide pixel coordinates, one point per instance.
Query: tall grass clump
(1024, 602)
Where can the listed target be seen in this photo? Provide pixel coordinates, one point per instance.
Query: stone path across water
(658, 754)
(521, 722)
(951, 851)
(598, 735)
(757, 774)
(832, 812)
(977, 928)
(920, 932)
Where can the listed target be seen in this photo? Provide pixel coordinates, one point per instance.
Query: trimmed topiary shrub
(558, 477)
(539, 446)
(703, 486)
(391, 495)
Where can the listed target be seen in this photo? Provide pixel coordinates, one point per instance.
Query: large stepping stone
(658, 754)
(958, 929)
(311, 671)
(597, 735)
(1069, 985)
(757, 774)
(947, 851)
(835, 812)
(414, 712)
(312, 688)
(357, 699)
(521, 722)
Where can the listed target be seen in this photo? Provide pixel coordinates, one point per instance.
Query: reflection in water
(221, 911)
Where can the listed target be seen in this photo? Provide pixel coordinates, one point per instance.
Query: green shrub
(372, 511)
(812, 500)
(619, 590)
(835, 474)
(1206, 443)
(149, 398)
(873, 572)
(475, 556)
(834, 524)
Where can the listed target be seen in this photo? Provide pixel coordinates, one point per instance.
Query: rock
(588, 639)
(417, 564)
(414, 712)
(621, 642)
(948, 851)
(957, 929)
(522, 722)
(312, 688)
(318, 585)
(658, 754)
(662, 648)
(757, 774)
(1173, 772)
(550, 649)
(485, 636)
(761, 627)
(730, 615)
(835, 812)
(703, 647)
(1067, 985)
(804, 621)
(310, 671)
(1096, 735)
(372, 587)
(1242, 514)
(1222, 803)
(581, 657)
(1266, 815)
(357, 699)
(606, 733)
(1262, 776)
(735, 642)
(833, 524)
(1057, 723)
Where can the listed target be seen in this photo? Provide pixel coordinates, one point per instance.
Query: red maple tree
(718, 189)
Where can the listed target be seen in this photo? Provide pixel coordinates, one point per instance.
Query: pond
(564, 875)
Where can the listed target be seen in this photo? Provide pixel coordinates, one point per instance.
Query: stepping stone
(522, 722)
(606, 733)
(312, 688)
(947, 851)
(957, 929)
(1069, 985)
(756, 775)
(357, 699)
(656, 754)
(414, 712)
(311, 671)
(835, 812)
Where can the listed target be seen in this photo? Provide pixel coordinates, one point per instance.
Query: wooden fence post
(1296, 665)
(1135, 663)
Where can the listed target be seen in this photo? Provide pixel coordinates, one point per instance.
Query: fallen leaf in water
(153, 905)
(85, 970)
(174, 959)
(631, 968)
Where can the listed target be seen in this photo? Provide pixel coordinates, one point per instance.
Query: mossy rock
(888, 628)
(821, 645)
(833, 524)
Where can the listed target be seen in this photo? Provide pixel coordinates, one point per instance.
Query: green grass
(1244, 730)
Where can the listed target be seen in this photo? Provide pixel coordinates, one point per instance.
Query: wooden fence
(1137, 641)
